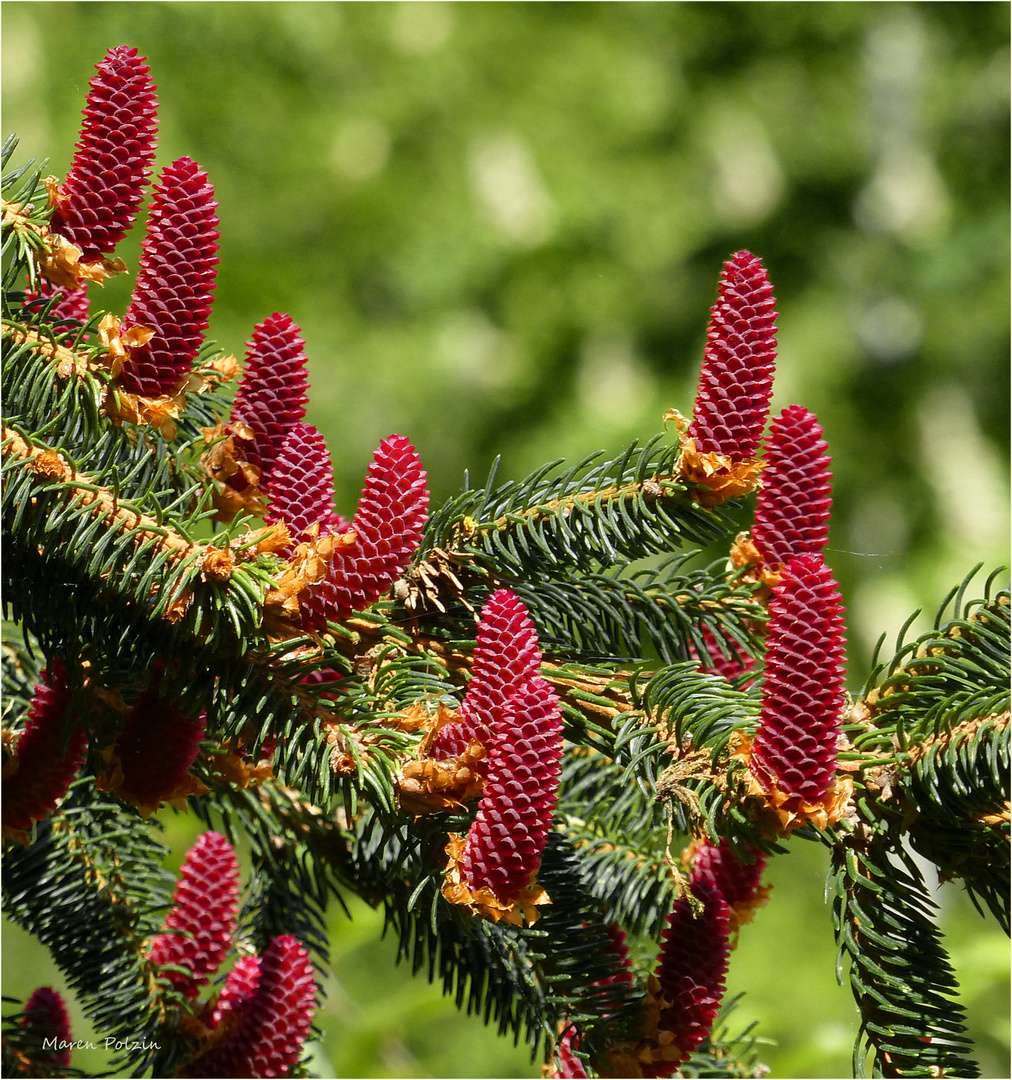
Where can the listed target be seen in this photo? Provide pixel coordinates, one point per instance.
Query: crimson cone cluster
(388, 522)
(46, 1017)
(691, 971)
(151, 759)
(510, 830)
(259, 1022)
(161, 333)
(200, 926)
(267, 1007)
(515, 715)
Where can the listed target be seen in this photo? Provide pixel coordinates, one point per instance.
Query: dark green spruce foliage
(606, 556)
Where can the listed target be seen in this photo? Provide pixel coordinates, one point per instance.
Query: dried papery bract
(736, 379)
(200, 927)
(795, 500)
(98, 202)
(388, 528)
(175, 283)
(273, 390)
(506, 655)
(793, 756)
(43, 763)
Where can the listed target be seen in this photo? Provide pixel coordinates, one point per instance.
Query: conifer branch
(488, 717)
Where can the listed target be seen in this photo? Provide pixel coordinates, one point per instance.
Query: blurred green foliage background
(500, 227)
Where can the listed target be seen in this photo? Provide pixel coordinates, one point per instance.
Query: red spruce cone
(509, 833)
(41, 769)
(46, 1018)
(568, 1066)
(736, 881)
(506, 655)
(112, 164)
(388, 527)
(793, 508)
(281, 1011)
(718, 866)
(728, 667)
(273, 390)
(301, 484)
(795, 746)
(158, 745)
(240, 986)
(201, 924)
(736, 379)
(176, 280)
(72, 303)
(275, 1020)
(691, 972)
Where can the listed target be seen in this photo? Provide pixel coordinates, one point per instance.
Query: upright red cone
(99, 199)
(691, 972)
(300, 485)
(388, 524)
(200, 927)
(273, 390)
(272, 1006)
(509, 833)
(175, 283)
(736, 379)
(795, 500)
(47, 1022)
(793, 754)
